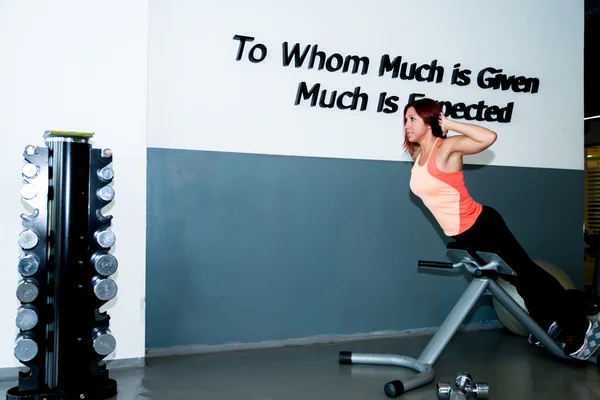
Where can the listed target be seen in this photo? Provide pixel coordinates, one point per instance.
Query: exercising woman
(437, 179)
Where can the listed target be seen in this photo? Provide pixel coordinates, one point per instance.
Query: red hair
(429, 110)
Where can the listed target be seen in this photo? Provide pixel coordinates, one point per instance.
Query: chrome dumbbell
(464, 388)
(446, 391)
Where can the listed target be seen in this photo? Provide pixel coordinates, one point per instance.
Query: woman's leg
(545, 298)
(541, 292)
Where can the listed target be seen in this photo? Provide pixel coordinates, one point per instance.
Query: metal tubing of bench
(523, 317)
(453, 321)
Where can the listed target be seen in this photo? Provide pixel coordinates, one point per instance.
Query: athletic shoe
(553, 332)
(591, 342)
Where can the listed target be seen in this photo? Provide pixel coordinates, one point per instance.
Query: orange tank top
(444, 194)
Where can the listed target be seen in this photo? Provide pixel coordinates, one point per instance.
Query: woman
(437, 179)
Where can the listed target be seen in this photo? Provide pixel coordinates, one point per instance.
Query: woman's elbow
(491, 139)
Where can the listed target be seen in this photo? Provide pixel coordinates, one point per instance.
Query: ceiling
(591, 73)
(592, 8)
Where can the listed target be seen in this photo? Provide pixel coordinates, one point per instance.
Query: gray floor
(513, 369)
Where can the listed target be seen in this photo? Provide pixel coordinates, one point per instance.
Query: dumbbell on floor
(464, 388)
(445, 391)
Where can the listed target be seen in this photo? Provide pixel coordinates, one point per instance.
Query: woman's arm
(474, 138)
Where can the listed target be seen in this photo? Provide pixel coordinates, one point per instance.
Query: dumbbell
(479, 391)
(464, 387)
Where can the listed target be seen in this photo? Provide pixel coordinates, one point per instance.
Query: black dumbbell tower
(65, 267)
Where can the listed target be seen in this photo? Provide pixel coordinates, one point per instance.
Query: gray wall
(246, 248)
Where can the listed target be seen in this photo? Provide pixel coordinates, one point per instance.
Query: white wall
(77, 65)
(202, 98)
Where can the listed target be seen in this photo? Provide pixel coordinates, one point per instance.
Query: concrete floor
(514, 370)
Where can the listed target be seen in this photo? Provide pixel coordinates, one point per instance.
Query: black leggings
(545, 298)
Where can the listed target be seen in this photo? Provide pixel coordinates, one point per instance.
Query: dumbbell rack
(64, 271)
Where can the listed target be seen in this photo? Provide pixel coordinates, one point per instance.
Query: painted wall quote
(395, 67)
